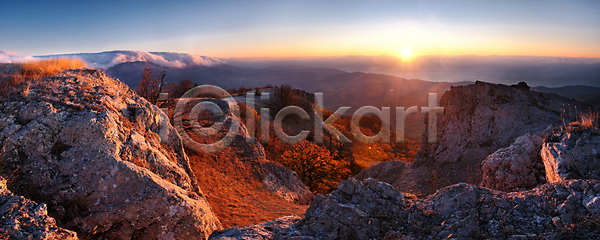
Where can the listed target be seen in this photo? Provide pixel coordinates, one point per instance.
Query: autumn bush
(315, 166)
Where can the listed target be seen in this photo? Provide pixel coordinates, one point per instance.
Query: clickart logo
(208, 92)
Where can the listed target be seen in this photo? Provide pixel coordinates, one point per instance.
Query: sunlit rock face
(572, 154)
(481, 118)
(89, 147)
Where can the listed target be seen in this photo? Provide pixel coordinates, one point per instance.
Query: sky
(276, 29)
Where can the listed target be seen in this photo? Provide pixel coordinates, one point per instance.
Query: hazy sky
(304, 28)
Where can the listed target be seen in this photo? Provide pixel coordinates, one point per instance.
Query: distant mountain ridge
(222, 75)
(108, 59)
(588, 94)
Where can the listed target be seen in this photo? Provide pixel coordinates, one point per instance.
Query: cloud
(12, 57)
(167, 59)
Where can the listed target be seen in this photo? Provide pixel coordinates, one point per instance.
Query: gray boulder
(89, 148)
(357, 210)
(516, 167)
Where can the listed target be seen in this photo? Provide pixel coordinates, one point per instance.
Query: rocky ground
(374, 210)
(109, 165)
(106, 164)
(517, 201)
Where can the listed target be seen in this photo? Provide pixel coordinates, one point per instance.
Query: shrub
(48, 67)
(315, 166)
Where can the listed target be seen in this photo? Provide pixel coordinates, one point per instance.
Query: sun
(406, 52)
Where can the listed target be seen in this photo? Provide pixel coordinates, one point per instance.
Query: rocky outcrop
(516, 167)
(26, 219)
(373, 210)
(572, 154)
(481, 118)
(358, 209)
(285, 183)
(105, 161)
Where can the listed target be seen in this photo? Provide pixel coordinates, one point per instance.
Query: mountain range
(340, 87)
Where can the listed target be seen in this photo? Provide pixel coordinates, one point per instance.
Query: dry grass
(237, 196)
(48, 67)
(586, 120)
(15, 78)
(26, 90)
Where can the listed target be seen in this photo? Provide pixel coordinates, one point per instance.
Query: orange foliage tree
(315, 166)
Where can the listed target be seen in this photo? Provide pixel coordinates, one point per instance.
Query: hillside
(241, 185)
(339, 88)
(108, 164)
(365, 89)
(500, 130)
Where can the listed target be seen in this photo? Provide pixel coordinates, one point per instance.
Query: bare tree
(150, 86)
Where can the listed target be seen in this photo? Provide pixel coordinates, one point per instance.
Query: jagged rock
(574, 154)
(285, 183)
(89, 148)
(518, 166)
(358, 209)
(372, 210)
(26, 219)
(481, 118)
